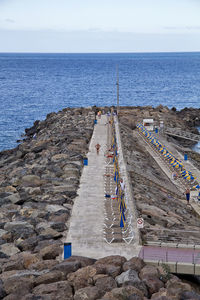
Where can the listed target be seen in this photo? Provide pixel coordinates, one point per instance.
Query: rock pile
(25, 277)
(38, 183)
(167, 218)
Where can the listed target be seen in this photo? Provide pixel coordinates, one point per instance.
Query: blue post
(95, 121)
(156, 130)
(67, 250)
(85, 161)
(185, 157)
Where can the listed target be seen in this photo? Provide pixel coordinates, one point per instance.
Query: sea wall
(38, 183)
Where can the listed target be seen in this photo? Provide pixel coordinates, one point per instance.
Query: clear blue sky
(99, 25)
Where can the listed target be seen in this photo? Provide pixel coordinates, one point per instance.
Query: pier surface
(87, 220)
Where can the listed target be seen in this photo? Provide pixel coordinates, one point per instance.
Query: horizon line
(103, 52)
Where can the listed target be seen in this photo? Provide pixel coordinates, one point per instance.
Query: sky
(99, 25)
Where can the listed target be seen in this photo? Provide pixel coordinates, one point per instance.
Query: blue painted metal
(95, 121)
(67, 250)
(185, 157)
(85, 161)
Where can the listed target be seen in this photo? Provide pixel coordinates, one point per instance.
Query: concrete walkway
(87, 220)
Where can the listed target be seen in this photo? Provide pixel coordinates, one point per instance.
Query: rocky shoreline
(39, 180)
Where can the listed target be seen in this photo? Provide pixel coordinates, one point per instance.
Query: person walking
(122, 185)
(97, 146)
(187, 194)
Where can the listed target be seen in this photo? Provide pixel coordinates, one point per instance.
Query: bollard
(95, 121)
(156, 130)
(85, 161)
(67, 250)
(185, 157)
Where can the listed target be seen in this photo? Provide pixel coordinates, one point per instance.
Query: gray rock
(2, 232)
(135, 263)
(106, 284)
(55, 208)
(60, 290)
(49, 277)
(14, 198)
(84, 261)
(31, 180)
(88, 293)
(19, 286)
(128, 276)
(2, 291)
(50, 252)
(67, 267)
(9, 249)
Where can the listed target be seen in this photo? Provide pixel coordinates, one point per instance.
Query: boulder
(14, 198)
(18, 285)
(19, 229)
(105, 283)
(175, 288)
(115, 260)
(67, 267)
(127, 277)
(153, 284)
(43, 265)
(9, 249)
(60, 290)
(123, 293)
(149, 272)
(82, 277)
(58, 157)
(88, 293)
(112, 265)
(2, 291)
(49, 277)
(84, 261)
(187, 295)
(50, 252)
(135, 263)
(31, 180)
(27, 244)
(50, 233)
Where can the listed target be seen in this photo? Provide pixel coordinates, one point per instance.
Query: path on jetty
(87, 219)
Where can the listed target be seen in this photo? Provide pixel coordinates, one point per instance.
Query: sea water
(33, 85)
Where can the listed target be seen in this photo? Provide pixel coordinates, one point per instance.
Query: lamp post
(117, 90)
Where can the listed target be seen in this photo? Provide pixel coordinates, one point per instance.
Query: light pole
(117, 90)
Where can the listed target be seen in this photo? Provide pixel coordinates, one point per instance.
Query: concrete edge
(124, 171)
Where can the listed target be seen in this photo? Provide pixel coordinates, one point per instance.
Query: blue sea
(33, 85)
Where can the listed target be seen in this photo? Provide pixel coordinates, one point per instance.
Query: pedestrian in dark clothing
(187, 194)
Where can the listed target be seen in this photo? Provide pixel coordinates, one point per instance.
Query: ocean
(33, 85)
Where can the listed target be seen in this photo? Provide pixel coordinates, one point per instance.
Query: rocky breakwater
(38, 183)
(82, 278)
(167, 218)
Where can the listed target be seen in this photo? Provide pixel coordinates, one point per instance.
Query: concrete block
(170, 245)
(188, 246)
(152, 262)
(151, 243)
(197, 269)
(172, 265)
(185, 268)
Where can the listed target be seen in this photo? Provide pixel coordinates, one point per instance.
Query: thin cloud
(10, 20)
(182, 27)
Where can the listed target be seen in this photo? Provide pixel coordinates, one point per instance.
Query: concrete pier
(87, 219)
